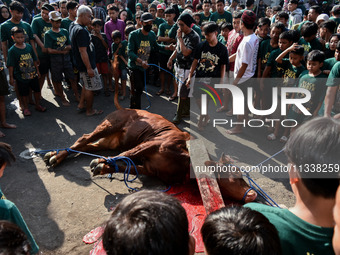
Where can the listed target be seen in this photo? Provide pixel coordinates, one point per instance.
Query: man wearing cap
(141, 42)
(58, 46)
(187, 41)
(295, 14)
(160, 11)
(40, 26)
(245, 62)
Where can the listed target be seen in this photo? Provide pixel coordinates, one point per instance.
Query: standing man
(221, 15)
(187, 41)
(39, 27)
(85, 60)
(71, 7)
(63, 9)
(141, 42)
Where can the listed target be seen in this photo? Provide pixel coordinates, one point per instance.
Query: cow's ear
(209, 163)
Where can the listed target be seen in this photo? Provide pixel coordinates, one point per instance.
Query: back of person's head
(129, 29)
(199, 7)
(210, 27)
(316, 55)
(116, 34)
(113, 8)
(316, 144)
(226, 25)
(298, 50)
(278, 25)
(237, 15)
(330, 25)
(287, 36)
(283, 15)
(248, 19)
(277, 8)
(6, 154)
(309, 29)
(239, 231)
(249, 3)
(71, 5)
(13, 240)
(263, 22)
(96, 22)
(147, 222)
(16, 6)
(295, 35)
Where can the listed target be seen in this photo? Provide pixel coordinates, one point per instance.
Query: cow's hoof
(93, 164)
(53, 161)
(47, 157)
(98, 169)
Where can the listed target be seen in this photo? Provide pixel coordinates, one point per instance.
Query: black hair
(116, 34)
(154, 222)
(210, 27)
(199, 7)
(336, 12)
(55, 4)
(316, 8)
(129, 22)
(309, 29)
(294, 2)
(129, 29)
(295, 35)
(316, 142)
(278, 25)
(286, 35)
(338, 46)
(239, 231)
(114, 8)
(6, 154)
(316, 55)
(138, 14)
(152, 6)
(242, 6)
(249, 3)
(98, 22)
(169, 10)
(189, 6)
(17, 30)
(264, 21)
(206, 1)
(71, 5)
(226, 25)
(283, 14)
(237, 15)
(334, 35)
(62, 2)
(306, 13)
(220, 1)
(277, 8)
(12, 239)
(16, 6)
(330, 25)
(299, 50)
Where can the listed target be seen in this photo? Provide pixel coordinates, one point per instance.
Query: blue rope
(167, 72)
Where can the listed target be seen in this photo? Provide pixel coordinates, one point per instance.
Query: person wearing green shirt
(40, 26)
(332, 98)
(308, 40)
(206, 14)
(141, 43)
(221, 15)
(71, 7)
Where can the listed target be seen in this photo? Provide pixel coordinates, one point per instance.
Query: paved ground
(61, 205)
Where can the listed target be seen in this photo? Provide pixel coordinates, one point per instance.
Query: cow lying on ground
(157, 147)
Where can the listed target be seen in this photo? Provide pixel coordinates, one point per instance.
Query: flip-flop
(271, 137)
(160, 92)
(27, 112)
(95, 112)
(40, 108)
(81, 110)
(172, 98)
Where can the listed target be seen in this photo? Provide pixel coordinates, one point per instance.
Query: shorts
(45, 65)
(103, 67)
(163, 62)
(24, 87)
(61, 64)
(123, 74)
(181, 77)
(92, 84)
(3, 84)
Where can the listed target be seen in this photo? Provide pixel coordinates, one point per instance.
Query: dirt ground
(63, 204)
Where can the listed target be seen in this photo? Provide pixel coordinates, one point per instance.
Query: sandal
(40, 108)
(271, 137)
(283, 139)
(95, 112)
(27, 112)
(173, 98)
(160, 92)
(168, 92)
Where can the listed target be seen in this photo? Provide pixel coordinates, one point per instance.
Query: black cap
(47, 7)
(146, 17)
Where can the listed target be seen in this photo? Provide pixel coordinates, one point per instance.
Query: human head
(309, 31)
(321, 18)
(285, 40)
(336, 10)
(276, 29)
(276, 9)
(17, 10)
(116, 36)
(283, 17)
(248, 20)
(72, 8)
(128, 30)
(239, 231)
(123, 15)
(220, 6)
(6, 154)
(292, 5)
(84, 15)
(197, 18)
(250, 4)
(5, 14)
(327, 28)
(13, 240)
(199, 8)
(62, 8)
(337, 52)
(315, 61)
(154, 222)
(269, 12)
(225, 29)
(184, 22)
(315, 142)
(45, 10)
(296, 55)
(237, 20)
(18, 35)
(147, 20)
(336, 215)
(139, 7)
(234, 3)
(169, 14)
(55, 6)
(160, 10)
(333, 41)
(263, 27)
(55, 19)
(206, 5)
(210, 31)
(113, 12)
(152, 9)
(97, 25)
(313, 13)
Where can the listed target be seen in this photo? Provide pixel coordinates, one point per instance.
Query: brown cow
(157, 147)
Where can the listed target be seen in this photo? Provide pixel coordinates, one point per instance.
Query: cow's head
(231, 181)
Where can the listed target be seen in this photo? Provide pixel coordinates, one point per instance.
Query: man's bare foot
(234, 131)
(94, 112)
(2, 134)
(7, 125)
(65, 102)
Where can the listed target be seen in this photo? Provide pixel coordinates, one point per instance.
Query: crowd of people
(103, 46)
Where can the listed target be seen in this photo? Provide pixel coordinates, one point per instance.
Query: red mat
(191, 200)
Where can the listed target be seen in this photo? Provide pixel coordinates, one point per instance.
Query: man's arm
(85, 58)
(32, 42)
(240, 73)
(232, 58)
(40, 43)
(4, 50)
(329, 100)
(171, 59)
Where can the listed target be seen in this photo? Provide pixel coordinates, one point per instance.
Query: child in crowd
(100, 44)
(283, 17)
(308, 40)
(331, 46)
(221, 15)
(206, 14)
(159, 224)
(313, 80)
(225, 29)
(307, 227)
(239, 230)
(263, 29)
(197, 18)
(23, 70)
(58, 46)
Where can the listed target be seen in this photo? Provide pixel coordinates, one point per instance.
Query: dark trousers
(137, 86)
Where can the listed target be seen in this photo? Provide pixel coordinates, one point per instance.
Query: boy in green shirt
(206, 14)
(308, 40)
(23, 70)
(221, 15)
(71, 7)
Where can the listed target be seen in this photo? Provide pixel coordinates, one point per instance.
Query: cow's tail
(115, 65)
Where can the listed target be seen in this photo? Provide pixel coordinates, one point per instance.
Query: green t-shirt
(121, 52)
(221, 39)
(220, 18)
(276, 71)
(329, 63)
(22, 61)
(264, 52)
(300, 25)
(140, 46)
(290, 73)
(156, 23)
(65, 23)
(37, 16)
(333, 81)
(309, 46)
(6, 32)
(57, 41)
(203, 18)
(163, 31)
(40, 27)
(297, 236)
(337, 22)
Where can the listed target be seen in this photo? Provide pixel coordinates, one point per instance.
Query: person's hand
(120, 45)
(293, 46)
(145, 64)
(90, 72)
(169, 64)
(188, 82)
(38, 74)
(179, 33)
(172, 47)
(44, 50)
